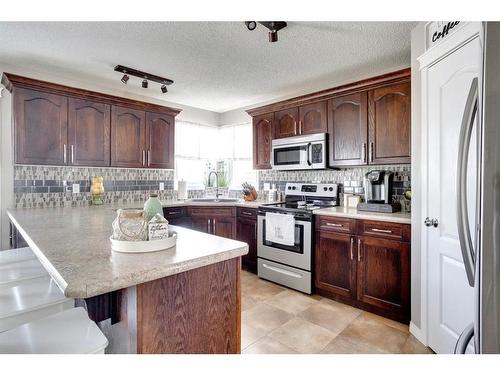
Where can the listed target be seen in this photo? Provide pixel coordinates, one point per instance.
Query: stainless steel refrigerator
(480, 242)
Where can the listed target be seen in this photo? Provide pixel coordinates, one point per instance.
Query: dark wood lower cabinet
(220, 221)
(371, 272)
(335, 264)
(246, 231)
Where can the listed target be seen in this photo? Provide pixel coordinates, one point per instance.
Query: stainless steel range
(288, 264)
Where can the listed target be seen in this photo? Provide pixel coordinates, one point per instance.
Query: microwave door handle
(464, 139)
(309, 154)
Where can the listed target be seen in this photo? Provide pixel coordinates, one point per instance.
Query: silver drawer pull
(381, 230)
(334, 225)
(174, 212)
(284, 272)
(246, 213)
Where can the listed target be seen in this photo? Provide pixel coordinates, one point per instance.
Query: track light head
(164, 89)
(125, 78)
(273, 36)
(145, 84)
(251, 25)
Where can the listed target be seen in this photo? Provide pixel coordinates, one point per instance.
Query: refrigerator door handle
(464, 233)
(464, 339)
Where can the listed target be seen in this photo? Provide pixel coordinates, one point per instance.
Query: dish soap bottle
(152, 207)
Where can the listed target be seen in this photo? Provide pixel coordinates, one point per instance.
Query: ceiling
(218, 66)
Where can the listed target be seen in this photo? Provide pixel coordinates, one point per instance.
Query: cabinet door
(246, 231)
(286, 123)
(348, 129)
(224, 227)
(201, 224)
(262, 136)
(312, 118)
(128, 137)
(384, 274)
(389, 113)
(335, 267)
(160, 140)
(89, 133)
(41, 127)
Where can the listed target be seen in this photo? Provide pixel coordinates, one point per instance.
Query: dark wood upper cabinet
(313, 118)
(384, 274)
(335, 264)
(89, 132)
(348, 129)
(389, 114)
(160, 134)
(128, 137)
(286, 123)
(262, 137)
(40, 127)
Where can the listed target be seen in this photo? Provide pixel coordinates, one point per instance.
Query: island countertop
(72, 243)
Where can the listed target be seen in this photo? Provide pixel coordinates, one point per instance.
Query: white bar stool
(29, 300)
(67, 332)
(16, 255)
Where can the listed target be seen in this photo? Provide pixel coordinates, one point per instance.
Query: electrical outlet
(162, 186)
(76, 188)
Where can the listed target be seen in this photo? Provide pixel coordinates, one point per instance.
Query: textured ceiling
(217, 66)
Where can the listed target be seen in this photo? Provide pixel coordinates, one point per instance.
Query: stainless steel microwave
(301, 152)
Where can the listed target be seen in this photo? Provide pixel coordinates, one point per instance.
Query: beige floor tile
(261, 290)
(366, 330)
(302, 336)
(331, 315)
(268, 345)
(249, 335)
(247, 276)
(265, 317)
(343, 345)
(413, 346)
(247, 302)
(391, 323)
(291, 301)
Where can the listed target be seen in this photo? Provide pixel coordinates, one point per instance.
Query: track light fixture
(127, 72)
(273, 26)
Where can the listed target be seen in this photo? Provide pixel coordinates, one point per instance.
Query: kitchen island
(182, 300)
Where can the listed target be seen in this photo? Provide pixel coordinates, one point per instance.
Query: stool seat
(13, 272)
(67, 332)
(16, 255)
(29, 300)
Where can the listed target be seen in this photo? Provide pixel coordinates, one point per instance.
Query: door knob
(431, 222)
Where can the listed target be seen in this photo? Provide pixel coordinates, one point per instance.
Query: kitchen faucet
(216, 181)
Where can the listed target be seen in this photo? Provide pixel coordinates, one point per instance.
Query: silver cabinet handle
(371, 152)
(363, 152)
(295, 127)
(72, 154)
(65, 156)
(143, 158)
(352, 246)
(208, 226)
(464, 233)
(381, 230)
(246, 213)
(359, 249)
(213, 224)
(300, 126)
(334, 225)
(284, 272)
(149, 158)
(174, 212)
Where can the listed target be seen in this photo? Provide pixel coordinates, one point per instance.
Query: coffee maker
(378, 192)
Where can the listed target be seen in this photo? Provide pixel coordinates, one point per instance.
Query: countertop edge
(361, 216)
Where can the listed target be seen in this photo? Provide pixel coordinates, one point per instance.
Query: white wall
(234, 117)
(417, 48)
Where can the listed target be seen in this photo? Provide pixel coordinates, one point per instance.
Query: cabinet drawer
(335, 224)
(174, 212)
(250, 213)
(384, 229)
(211, 211)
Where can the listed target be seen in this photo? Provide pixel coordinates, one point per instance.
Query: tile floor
(277, 320)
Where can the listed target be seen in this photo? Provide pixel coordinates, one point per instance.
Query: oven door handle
(309, 154)
(284, 272)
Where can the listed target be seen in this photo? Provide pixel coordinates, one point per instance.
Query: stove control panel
(312, 190)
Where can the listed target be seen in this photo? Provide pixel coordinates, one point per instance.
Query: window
(227, 149)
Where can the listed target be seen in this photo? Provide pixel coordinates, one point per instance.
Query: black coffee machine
(378, 192)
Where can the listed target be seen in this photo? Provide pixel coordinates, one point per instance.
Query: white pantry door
(450, 298)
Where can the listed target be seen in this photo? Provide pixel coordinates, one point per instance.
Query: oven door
(298, 255)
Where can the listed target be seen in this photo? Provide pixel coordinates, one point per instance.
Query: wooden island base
(197, 311)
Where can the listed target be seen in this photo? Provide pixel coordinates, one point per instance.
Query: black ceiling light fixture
(127, 72)
(273, 26)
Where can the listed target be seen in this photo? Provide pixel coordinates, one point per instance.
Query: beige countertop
(353, 213)
(189, 202)
(73, 245)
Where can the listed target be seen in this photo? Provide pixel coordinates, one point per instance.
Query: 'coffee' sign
(437, 31)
